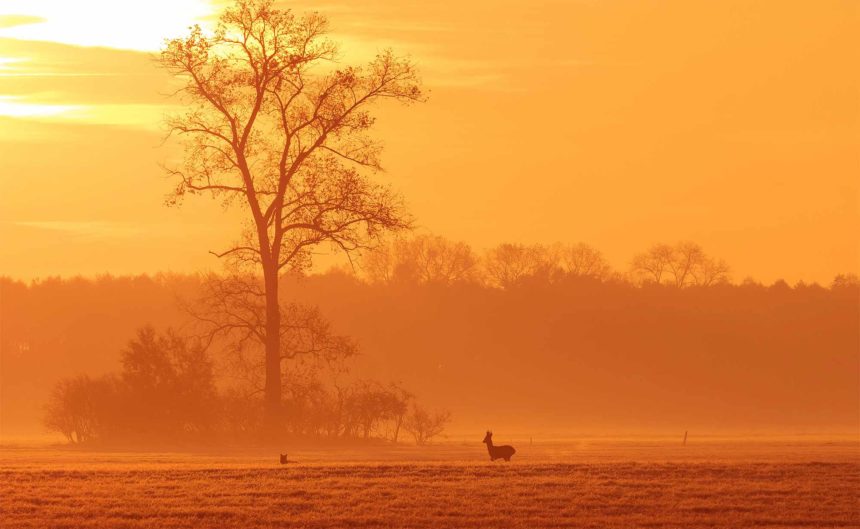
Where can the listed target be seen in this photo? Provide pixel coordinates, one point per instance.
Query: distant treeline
(552, 347)
(436, 260)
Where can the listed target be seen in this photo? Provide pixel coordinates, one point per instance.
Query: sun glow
(5, 62)
(137, 26)
(125, 25)
(16, 107)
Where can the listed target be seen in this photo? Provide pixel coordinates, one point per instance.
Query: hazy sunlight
(110, 23)
(16, 107)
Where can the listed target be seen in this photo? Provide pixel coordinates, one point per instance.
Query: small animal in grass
(283, 459)
(498, 452)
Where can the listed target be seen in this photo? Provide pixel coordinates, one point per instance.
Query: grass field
(596, 483)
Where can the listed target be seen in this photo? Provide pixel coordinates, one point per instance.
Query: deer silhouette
(283, 459)
(498, 452)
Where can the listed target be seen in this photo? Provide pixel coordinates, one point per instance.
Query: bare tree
(276, 128)
(653, 265)
(582, 260)
(684, 264)
(428, 259)
(686, 258)
(710, 271)
(438, 260)
(424, 425)
(83, 408)
(508, 264)
(380, 264)
(845, 282)
(70, 409)
(171, 380)
(398, 401)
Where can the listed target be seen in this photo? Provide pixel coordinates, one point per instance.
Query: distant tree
(276, 129)
(169, 383)
(437, 260)
(380, 264)
(86, 409)
(582, 260)
(845, 281)
(425, 425)
(780, 286)
(308, 403)
(398, 407)
(751, 282)
(681, 265)
(166, 390)
(692, 266)
(653, 265)
(366, 407)
(381, 405)
(427, 259)
(72, 409)
(507, 265)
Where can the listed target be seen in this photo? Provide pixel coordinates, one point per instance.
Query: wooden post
(685, 438)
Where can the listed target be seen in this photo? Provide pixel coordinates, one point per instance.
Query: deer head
(489, 437)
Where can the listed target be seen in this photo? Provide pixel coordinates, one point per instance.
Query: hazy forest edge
(369, 364)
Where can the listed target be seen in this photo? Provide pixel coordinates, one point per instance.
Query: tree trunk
(397, 427)
(273, 349)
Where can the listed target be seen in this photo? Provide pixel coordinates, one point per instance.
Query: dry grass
(713, 484)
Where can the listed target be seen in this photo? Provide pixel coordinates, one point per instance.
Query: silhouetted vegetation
(166, 391)
(681, 265)
(593, 349)
(425, 425)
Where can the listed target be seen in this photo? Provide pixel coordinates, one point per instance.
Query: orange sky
(735, 124)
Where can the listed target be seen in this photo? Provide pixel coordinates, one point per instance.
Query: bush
(424, 425)
(166, 390)
(81, 408)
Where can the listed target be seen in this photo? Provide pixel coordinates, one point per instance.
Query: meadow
(575, 483)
